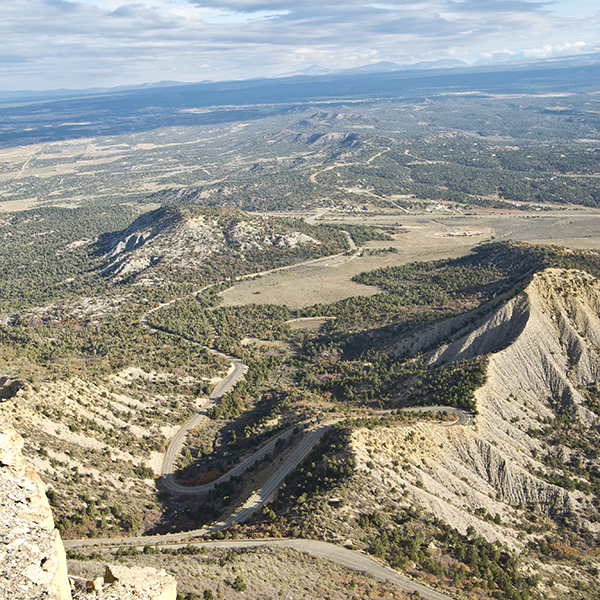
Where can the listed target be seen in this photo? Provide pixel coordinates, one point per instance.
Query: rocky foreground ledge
(32, 556)
(127, 583)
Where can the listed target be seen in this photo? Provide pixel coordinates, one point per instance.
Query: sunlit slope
(543, 355)
(193, 238)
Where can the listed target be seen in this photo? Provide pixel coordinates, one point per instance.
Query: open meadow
(418, 237)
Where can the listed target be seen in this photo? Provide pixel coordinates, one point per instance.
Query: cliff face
(543, 350)
(32, 556)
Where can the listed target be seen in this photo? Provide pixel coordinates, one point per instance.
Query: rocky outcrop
(542, 343)
(32, 556)
(287, 136)
(143, 583)
(9, 388)
(187, 237)
(128, 583)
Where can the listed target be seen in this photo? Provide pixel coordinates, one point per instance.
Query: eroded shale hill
(541, 382)
(525, 474)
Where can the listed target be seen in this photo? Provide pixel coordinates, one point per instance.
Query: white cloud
(548, 50)
(84, 43)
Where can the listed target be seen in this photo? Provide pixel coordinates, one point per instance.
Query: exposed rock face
(185, 238)
(139, 583)
(543, 347)
(32, 556)
(128, 583)
(537, 374)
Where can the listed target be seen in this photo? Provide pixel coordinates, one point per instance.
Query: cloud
(87, 43)
(548, 50)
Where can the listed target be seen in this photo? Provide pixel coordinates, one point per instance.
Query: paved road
(270, 488)
(343, 556)
(462, 416)
(351, 559)
(265, 493)
(351, 243)
(261, 497)
(237, 470)
(239, 368)
(244, 512)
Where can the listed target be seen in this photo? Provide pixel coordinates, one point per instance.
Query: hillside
(112, 339)
(524, 476)
(548, 364)
(185, 238)
(506, 507)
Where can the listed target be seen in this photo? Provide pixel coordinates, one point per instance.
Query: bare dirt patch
(575, 228)
(17, 205)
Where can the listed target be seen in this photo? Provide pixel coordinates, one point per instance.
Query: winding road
(352, 559)
(343, 556)
(239, 368)
(462, 416)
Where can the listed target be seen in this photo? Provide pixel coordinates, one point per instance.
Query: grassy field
(424, 237)
(329, 281)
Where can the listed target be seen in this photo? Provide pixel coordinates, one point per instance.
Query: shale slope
(543, 355)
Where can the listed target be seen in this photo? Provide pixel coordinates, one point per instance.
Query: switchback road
(340, 555)
(176, 443)
(239, 368)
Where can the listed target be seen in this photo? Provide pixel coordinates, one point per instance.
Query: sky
(78, 44)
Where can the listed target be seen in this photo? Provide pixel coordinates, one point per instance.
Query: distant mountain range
(382, 67)
(316, 71)
(67, 114)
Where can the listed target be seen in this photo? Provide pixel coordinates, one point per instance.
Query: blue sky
(48, 44)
